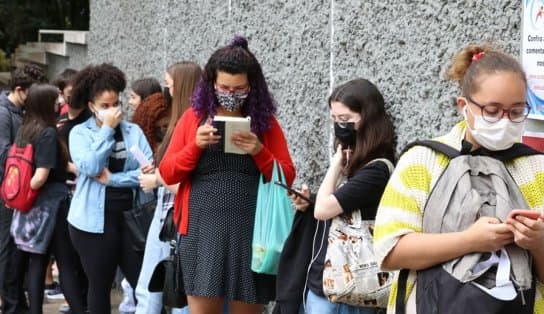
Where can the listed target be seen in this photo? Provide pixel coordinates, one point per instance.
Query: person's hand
(247, 141)
(338, 160)
(148, 182)
(148, 169)
(71, 168)
(488, 234)
(298, 202)
(104, 176)
(113, 117)
(528, 233)
(205, 135)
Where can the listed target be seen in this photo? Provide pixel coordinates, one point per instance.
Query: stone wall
(305, 46)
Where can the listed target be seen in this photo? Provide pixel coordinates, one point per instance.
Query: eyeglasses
(494, 113)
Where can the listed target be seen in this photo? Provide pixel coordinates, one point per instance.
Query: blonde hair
(185, 75)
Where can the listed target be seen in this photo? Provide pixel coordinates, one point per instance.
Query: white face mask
(101, 114)
(495, 136)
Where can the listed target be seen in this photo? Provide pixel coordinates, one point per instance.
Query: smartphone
(293, 191)
(531, 214)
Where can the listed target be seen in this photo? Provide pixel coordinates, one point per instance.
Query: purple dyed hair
(236, 58)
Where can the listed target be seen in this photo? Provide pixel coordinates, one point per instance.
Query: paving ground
(52, 307)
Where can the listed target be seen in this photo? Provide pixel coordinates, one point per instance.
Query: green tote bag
(273, 219)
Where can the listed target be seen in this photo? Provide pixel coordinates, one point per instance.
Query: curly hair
(93, 80)
(151, 110)
(236, 58)
(26, 76)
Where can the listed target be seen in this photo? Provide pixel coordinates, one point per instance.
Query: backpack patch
(19, 169)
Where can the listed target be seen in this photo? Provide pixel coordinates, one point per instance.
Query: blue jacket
(90, 148)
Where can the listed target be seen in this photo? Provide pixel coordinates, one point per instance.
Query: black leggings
(101, 253)
(36, 266)
(11, 287)
(71, 275)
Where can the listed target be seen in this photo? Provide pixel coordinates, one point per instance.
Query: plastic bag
(273, 219)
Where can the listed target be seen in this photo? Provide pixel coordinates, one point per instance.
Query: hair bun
(239, 41)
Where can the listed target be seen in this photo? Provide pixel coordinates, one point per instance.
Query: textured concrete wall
(402, 46)
(76, 58)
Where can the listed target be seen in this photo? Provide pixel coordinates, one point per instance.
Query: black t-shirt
(362, 191)
(47, 154)
(65, 125)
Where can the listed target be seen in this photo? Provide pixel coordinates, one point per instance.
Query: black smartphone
(293, 191)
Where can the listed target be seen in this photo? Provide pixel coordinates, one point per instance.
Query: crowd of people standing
(88, 177)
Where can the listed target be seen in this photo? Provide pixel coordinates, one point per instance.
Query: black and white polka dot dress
(216, 252)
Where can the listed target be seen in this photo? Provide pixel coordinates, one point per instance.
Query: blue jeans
(155, 251)
(319, 305)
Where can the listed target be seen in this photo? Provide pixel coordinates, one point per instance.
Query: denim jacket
(90, 149)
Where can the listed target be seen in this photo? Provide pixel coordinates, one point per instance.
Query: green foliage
(21, 19)
(4, 62)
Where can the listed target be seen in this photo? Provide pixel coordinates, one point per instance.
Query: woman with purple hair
(216, 200)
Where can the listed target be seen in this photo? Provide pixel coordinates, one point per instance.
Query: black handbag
(168, 231)
(167, 278)
(137, 221)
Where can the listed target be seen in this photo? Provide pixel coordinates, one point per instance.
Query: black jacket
(294, 261)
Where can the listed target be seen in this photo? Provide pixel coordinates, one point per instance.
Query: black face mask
(345, 132)
(159, 135)
(167, 96)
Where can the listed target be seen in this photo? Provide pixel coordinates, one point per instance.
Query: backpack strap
(517, 150)
(386, 161)
(435, 145)
(400, 303)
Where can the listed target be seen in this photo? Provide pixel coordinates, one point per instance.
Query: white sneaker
(127, 305)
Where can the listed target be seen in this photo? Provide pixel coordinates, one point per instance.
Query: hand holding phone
(531, 214)
(295, 192)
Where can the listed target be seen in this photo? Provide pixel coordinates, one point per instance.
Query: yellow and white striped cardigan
(401, 207)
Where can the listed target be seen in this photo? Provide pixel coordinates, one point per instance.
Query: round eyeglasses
(494, 113)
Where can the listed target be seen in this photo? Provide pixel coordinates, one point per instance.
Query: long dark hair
(375, 135)
(40, 114)
(236, 58)
(146, 87)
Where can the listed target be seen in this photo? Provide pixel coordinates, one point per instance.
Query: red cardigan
(183, 154)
